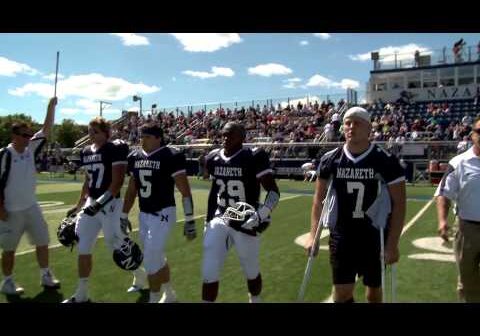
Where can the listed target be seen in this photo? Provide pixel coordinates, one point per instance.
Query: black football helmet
(66, 232)
(128, 256)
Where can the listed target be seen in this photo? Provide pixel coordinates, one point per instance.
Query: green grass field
(282, 261)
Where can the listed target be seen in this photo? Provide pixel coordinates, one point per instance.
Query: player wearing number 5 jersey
(357, 172)
(236, 174)
(155, 169)
(99, 206)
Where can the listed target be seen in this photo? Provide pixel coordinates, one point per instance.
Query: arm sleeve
(449, 185)
(179, 164)
(37, 142)
(391, 170)
(262, 163)
(120, 154)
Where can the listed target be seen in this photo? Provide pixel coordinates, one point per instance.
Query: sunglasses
(25, 135)
(477, 130)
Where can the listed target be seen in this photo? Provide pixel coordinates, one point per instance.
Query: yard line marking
(405, 228)
(134, 230)
(416, 217)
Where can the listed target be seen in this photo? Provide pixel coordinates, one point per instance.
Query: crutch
(308, 269)
(393, 269)
(318, 233)
(382, 263)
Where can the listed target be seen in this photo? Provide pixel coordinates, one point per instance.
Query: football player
(236, 174)
(154, 170)
(356, 170)
(105, 164)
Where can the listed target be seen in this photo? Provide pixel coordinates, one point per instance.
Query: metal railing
(427, 58)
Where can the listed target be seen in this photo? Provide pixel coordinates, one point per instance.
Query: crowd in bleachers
(312, 122)
(292, 123)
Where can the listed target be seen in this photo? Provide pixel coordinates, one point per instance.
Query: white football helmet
(240, 212)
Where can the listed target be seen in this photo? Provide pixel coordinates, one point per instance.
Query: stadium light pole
(101, 106)
(138, 98)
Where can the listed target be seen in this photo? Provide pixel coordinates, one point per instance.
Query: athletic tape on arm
(271, 201)
(188, 208)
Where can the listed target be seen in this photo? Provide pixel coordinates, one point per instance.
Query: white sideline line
(416, 217)
(405, 228)
(134, 230)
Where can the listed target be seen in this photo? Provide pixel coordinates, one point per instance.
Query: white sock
(82, 289)
(167, 288)
(254, 299)
(154, 297)
(44, 271)
(139, 277)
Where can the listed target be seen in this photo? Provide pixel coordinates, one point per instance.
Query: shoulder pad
(213, 153)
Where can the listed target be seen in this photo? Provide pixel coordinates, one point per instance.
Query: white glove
(252, 222)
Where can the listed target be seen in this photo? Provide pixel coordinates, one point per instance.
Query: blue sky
(183, 69)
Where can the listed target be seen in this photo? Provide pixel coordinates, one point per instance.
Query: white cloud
(130, 39)
(304, 43)
(203, 42)
(88, 107)
(69, 111)
(347, 83)
(321, 81)
(270, 69)
(404, 52)
(52, 76)
(323, 36)
(291, 83)
(91, 86)
(11, 68)
(216, 71)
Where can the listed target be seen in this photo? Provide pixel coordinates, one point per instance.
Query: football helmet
(66, 231)
(128, 256)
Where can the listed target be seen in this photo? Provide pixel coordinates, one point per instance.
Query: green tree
(6, 123)
(68, 132)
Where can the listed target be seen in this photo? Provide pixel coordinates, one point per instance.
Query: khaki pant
(467, 255)
(30, 221)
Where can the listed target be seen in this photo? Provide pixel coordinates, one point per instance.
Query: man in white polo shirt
(461, 184)
(19, 211)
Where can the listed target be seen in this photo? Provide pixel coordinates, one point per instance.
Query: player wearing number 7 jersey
(356, 172)
(237, 174)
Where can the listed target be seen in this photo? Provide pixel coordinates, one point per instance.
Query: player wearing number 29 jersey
(235, 178)
(236, 174)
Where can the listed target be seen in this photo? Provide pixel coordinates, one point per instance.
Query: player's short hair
(152, 128)
(102, 124)
(477, 119)
(18, 125)
(235, 126)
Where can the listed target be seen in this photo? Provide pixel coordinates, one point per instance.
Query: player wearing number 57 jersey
(155, 169)
(236, 174)
(99, 206)
(358, 171)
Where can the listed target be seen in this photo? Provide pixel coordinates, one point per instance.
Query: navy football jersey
(98, 164)
(154, 176)
(356, 181)
(235, 178)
